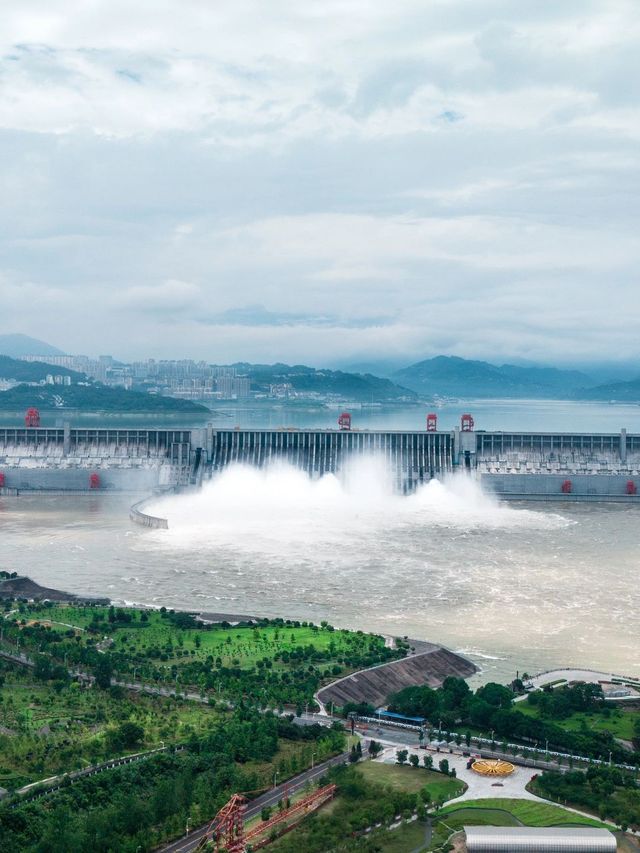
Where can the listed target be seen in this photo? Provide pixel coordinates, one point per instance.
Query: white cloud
(448, 175)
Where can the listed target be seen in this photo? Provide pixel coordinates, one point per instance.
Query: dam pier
(513, 465)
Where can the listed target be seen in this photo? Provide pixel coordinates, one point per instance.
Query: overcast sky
(323, 180)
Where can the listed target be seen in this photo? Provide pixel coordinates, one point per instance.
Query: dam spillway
(412, 457)
(513, 465)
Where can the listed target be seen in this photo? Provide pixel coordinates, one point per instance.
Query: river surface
(516, 415)
(517, 587)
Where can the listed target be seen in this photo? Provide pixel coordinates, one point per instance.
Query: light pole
(187, 826)
(313, 757)
(275, 779)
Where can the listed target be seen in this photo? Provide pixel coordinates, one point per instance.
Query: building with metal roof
(527, 839)
(392, 716)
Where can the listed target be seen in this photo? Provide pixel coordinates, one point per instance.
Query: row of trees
(605, 791)
(491, 708)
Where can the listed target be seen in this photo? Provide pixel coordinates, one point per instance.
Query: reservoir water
(513, 587)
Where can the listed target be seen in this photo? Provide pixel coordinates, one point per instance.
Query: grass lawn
(619, 722)
(242, 647)
(528, 812)
(411, 779)
(407, 837)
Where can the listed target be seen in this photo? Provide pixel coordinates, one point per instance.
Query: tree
(425, 795)
(444, 766)
(495, 694)
(402, 755)
(414, 760)
(103, 671)
(374, 748)
(415, 701)
(265, 813)
(127, 735)
(427, 760)
(131, 734)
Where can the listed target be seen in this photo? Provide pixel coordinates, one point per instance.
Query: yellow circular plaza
(492, 767)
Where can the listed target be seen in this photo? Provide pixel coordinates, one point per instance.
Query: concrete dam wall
(62, 459)
(414, 457)
(537, 466)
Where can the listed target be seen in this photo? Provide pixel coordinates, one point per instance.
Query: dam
(512, 465)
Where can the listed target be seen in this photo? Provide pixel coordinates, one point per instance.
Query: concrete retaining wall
(584, 487)
(137, 515)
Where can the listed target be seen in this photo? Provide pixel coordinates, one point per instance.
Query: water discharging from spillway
(279, 509)
(510, 587)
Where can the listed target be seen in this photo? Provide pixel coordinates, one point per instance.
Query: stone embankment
(431, 664)
(24, 587)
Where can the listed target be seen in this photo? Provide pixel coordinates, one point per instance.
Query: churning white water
(280, 511)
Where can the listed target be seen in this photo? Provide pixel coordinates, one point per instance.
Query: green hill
(91, 398)
(18, 345)
(32, 371)
(359, 387)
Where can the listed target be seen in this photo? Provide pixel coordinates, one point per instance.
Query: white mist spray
(280, 509)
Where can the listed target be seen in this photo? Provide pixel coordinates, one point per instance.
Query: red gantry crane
(227, 833)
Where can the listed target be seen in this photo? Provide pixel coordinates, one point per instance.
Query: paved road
(270, 798)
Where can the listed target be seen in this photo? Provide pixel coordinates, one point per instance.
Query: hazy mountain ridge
(623, 392)
(18, 345)
(460, 377)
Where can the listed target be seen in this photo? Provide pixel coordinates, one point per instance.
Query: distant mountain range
(444, 376)
(460, 377)
(19, 345)
(619, 392)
